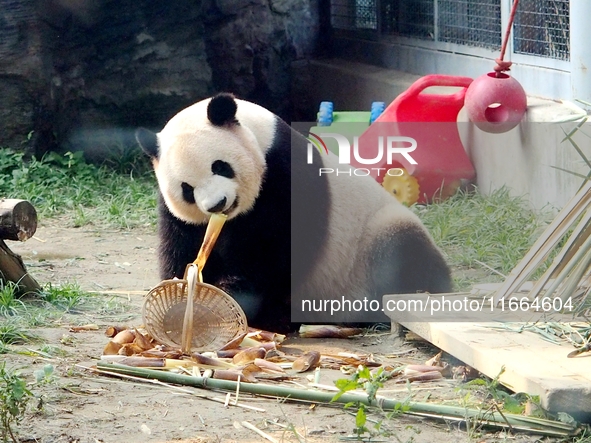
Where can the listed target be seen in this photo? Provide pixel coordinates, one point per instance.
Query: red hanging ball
(495, 102)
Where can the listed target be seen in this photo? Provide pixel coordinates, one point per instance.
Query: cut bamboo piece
(252, 427)
(147, 362)
(210, 363)
(248, 355)
(576, 239)
(328, 331)
(187, 332)
(309, 360)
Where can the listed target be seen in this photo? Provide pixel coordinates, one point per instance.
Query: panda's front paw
(245, 295)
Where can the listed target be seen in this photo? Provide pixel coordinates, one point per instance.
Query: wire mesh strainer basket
(190, 314)
(217, 317)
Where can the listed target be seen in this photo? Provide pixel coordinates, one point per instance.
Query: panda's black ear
(222, 109)
(148, 141)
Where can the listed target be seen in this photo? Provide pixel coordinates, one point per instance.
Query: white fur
(353, 227)
(189, 144)
(361, 208)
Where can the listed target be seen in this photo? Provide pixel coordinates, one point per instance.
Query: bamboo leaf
(576, 174)
(360, 418)
(577, 148)
(365, 373)
(570, 118)
(344, 385)
(575, 129)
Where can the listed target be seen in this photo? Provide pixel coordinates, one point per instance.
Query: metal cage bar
(414, 18)
(470, 22)
(541, 27)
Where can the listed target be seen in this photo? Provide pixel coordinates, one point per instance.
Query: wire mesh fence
(541, 26)
(354, 14)
(469, 22)
(413, 18)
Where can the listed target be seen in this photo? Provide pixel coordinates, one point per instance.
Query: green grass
(485, 234)
(483, 237)
(9, 303)
(14, 396)
(66, 303)
(13, 333)
(66, 186)
(65, 297)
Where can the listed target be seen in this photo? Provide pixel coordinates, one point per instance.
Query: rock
(25, 116)
(232, 7)
(82, 74)
(251, 54)
(281, 6)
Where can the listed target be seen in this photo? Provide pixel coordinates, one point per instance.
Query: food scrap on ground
(261, 364)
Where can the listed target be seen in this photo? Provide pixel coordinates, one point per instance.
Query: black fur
(221, 110)
(220, 167)
(262, 257)
(405, 261)
(188, 192)
(148, 141)
(253, 254)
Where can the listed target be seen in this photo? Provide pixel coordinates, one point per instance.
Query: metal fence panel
(542, 27)
(470, 22)
(412, 18)
(354, 14)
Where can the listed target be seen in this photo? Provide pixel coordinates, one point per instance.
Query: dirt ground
(84, 407)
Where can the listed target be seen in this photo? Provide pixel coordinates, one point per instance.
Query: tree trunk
(13, 269)
(18, 221)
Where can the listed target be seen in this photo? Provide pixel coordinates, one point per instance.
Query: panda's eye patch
(188, 195)
(220, 167)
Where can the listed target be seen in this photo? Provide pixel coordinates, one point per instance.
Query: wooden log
(18, 219)
(13, 269)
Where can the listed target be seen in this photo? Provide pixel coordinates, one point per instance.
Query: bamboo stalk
(252, 427)
(574, 242)
(576, 238)
(544, 244)
(491, 419)
(187, 334)
(574, 280)
(186, 391)
(576, 259)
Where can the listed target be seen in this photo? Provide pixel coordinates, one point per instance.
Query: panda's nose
(219, 206)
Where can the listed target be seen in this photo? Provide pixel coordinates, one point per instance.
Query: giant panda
(291, 234)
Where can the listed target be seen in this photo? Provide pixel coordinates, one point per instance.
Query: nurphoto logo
(387, 148)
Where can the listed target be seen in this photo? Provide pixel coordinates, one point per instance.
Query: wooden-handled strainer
(189, 313)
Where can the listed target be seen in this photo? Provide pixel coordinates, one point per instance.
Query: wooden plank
(532, 365)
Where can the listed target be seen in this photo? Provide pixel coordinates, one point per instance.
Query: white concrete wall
(521, 159)
(526, 158)
(354, 86)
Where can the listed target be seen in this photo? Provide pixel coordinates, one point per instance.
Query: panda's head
(210, 157)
